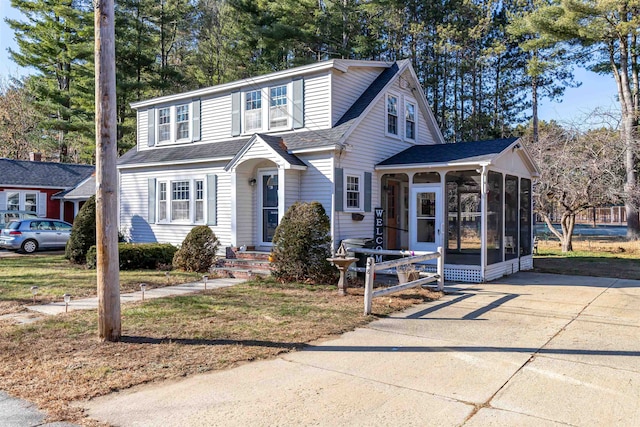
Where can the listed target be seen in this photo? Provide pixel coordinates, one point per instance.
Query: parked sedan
(29, 235)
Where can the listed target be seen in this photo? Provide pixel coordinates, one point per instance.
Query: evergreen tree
(56, 41)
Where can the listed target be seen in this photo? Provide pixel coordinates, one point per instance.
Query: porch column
(281, 192)
(234, 215)
(483, 223)
(76, 208)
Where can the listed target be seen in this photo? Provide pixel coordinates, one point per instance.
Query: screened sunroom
(473, 199)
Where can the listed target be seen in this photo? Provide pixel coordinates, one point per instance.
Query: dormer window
(253, 110)
(278, 114)
(392, 115)
(164, 124)
(182, 121)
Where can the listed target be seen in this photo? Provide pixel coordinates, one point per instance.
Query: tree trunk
(109, 321)
(568, 222)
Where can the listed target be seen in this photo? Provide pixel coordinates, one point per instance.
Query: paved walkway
(529, 350)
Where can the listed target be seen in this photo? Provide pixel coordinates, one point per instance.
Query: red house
(52, 190)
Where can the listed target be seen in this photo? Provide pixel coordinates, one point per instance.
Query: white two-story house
(357, 136)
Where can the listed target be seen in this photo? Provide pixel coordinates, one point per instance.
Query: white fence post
(440, 269)
(368, 285)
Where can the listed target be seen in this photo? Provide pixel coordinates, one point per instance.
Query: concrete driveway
(529, 350)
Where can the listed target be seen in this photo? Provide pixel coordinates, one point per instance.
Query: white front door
(267, 206)
(425, 212)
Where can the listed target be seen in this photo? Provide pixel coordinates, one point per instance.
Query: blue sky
(596, 91)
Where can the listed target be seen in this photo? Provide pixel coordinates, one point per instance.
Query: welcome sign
(378, 232)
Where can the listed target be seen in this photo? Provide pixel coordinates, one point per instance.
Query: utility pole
(109, 322)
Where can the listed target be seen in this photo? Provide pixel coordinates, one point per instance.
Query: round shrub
(302, 244)
(198, 250)
(83, 233)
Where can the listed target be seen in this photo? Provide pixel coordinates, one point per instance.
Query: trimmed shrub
(198, 250)
(138, 256)
(83, 233)
(302, 244)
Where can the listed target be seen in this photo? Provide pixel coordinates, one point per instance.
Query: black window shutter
(338, 176)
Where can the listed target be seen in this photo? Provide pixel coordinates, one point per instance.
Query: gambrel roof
(22, 173)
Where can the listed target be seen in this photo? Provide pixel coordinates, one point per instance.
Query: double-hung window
(410, 120)
(278, 116)
(182, 121)
(22, 201)
(164, 124)
(392, 115)
(199, 200)
(180, 198)
(353, 192)
(162, 202)
(253, 110)
(13, 201)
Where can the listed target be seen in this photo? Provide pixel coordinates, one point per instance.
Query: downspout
(483, 223)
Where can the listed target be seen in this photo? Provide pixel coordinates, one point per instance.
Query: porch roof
(461, 152)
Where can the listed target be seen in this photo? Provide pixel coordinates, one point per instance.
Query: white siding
(292, 188)
(317, 102)
(215, 118)
(134, 205)
(246, 206)
(511, 163)
(143, 130)
(316, 182)
(346, 88)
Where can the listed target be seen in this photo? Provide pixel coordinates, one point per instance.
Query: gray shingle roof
(369, 94)
(43, 174)
(277, 144)
(445, 153)
(84, 190)
(222, 149)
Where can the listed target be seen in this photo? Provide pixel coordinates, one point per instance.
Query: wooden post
(368, 285)
(440, 269)
(109, 322)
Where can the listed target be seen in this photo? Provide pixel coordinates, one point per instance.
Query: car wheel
(29, 246)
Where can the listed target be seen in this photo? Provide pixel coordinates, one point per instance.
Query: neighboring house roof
(461, 152)
(42, 174)
(82, 191)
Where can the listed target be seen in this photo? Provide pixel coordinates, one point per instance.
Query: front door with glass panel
(426, 217)
(268, 206)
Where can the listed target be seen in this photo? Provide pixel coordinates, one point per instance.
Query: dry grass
(595, 256)
(55, 276)
(59, 360)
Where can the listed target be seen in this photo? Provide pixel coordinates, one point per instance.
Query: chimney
(35, 157)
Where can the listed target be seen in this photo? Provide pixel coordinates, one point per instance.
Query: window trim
(22, 200)
(192, 180)
(361, 190)
(288, 107)
(388, 95)
(189, 122)
(173, 124)
(245, 130)
(410, 101)
(265, 116)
